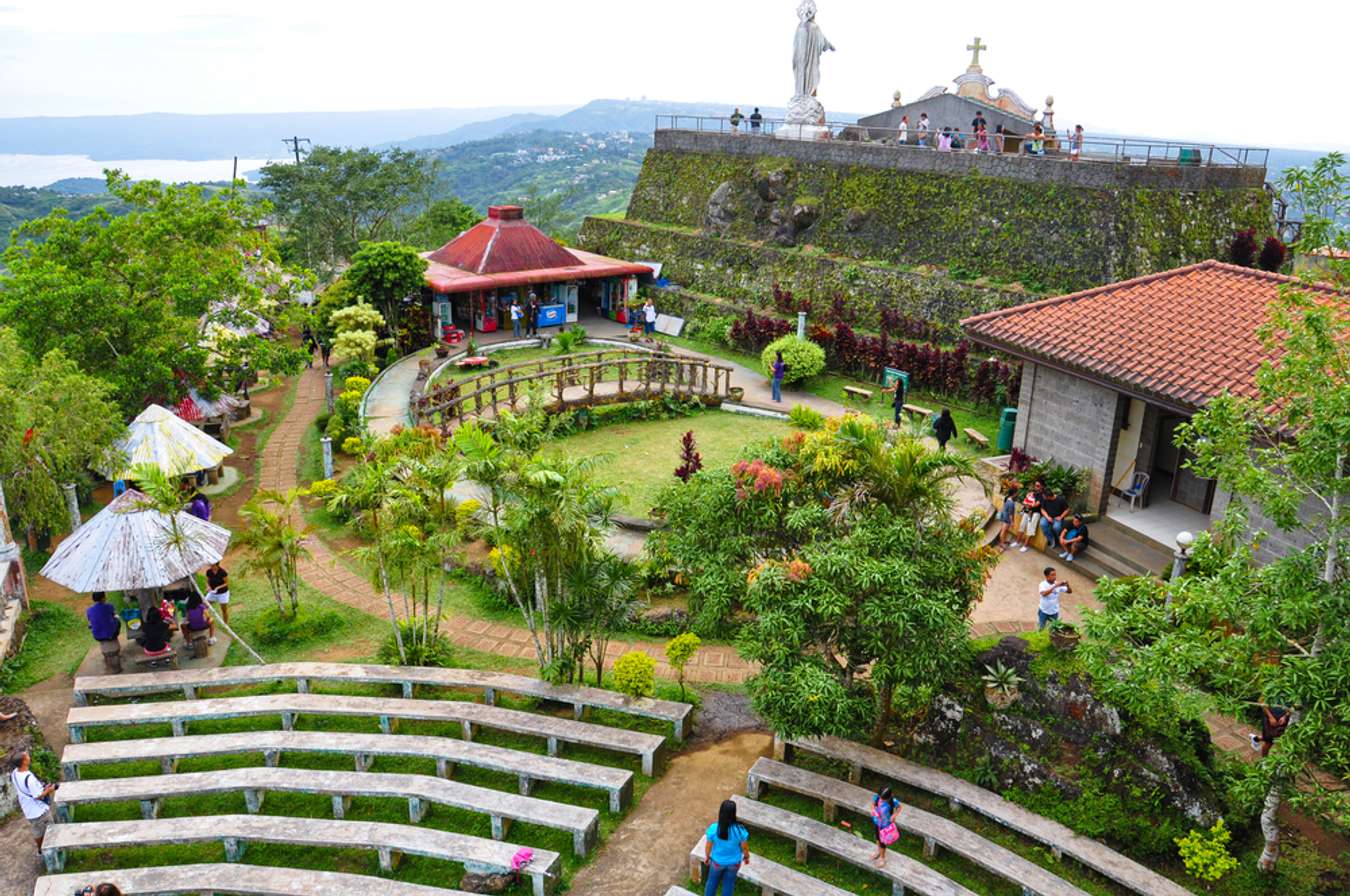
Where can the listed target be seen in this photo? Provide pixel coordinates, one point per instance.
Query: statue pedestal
(802, 121)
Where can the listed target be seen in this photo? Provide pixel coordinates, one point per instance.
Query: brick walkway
(325, 572)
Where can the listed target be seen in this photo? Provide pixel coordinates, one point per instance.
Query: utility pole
(294, 144)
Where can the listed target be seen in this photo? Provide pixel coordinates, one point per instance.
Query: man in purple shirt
(103, 622)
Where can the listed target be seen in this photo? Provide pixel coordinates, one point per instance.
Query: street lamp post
(1184, 540)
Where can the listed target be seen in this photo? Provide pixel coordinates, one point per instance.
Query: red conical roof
(503, 242)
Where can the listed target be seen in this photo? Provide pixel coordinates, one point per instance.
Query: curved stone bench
(407, 677)
(903, 872)
(245, 880)
(288, 706)
(447, 751)
(418, 790)
(934, 829)
(771, 877)
(236, 831)
(1060, 838)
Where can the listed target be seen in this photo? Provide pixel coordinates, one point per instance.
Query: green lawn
(642, 457)
(56, 641)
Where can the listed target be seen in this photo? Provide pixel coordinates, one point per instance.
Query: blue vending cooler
(552, 315)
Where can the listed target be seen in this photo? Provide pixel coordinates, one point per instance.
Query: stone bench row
(236, 831)
(935, 830)
(189, 681)
(903, 872)
(1061, 839)
(469, 715)
(211, 878)
(772, 878)
(341, 786)
(446, 751)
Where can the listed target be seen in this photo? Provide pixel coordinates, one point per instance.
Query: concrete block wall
(1069, 420)
(1277, 542)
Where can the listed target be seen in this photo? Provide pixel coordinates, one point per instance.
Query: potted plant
(736, 392)
(1000, 685)
(1064, 636)
(442, 350)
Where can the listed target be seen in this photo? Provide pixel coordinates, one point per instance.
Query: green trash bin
(1007, 422)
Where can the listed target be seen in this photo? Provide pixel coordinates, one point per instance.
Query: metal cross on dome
(975, 48)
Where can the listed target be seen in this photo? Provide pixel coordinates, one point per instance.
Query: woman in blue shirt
(726, 851)
(884, 809)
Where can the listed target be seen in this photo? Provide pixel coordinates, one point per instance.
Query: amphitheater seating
(288, 706)
(769, 876)
(1061, 839)
(236, 831)
(245, 880)
(903, 872)
(407, 677)
(418, 790)
(935, 830)
(447, 752)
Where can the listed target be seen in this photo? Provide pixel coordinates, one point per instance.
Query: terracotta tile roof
(1181, 336)
(502, 242)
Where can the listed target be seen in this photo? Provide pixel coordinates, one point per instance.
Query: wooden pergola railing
(580, 380)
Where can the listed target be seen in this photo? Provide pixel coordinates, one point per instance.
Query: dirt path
(650, 850)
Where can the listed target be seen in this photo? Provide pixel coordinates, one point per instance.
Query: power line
(294, 144)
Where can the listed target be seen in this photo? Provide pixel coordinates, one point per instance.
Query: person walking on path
(649, 317)
(325, 349)
(1051, 591)
(944, 428)
(516, 314)
(884, 809)
(34, 797)
(218, 581)
(726, 850)
(779, 370)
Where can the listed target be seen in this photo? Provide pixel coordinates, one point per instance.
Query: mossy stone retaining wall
(746, 272)
(1050, 235)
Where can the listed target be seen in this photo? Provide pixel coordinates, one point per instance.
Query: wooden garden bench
(1061, 839)
(903, 872)
(934, 829)
(914, 410)
(864, 395)
(236, 831)
(469, 715)
(489, 683)
(974, 435)
(419, 790)
(222, 877)
(771, 877)
(446, 751)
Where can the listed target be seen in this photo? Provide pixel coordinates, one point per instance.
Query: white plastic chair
(1136, 490)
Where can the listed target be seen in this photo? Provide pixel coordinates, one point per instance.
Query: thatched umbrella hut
(163, 439)
(129, 546)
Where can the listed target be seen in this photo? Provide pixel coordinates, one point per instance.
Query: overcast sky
(1231, 70)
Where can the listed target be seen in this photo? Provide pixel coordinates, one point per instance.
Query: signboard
(889, 377)
(669, 325)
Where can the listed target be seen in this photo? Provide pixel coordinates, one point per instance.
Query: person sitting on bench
(155, 634)
(103, 622)
(1073, 539)
(198, 619)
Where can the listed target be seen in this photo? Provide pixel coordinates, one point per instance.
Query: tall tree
(152, 301)
(387, 273)
(55, 422)
(337, 199)
(443, 220)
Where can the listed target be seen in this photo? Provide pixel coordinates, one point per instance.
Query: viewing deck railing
(1111, 150)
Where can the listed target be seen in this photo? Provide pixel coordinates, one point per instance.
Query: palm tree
(274, 543)
(163, 495)
(914, 479)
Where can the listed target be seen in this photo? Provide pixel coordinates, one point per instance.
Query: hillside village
(944, 500)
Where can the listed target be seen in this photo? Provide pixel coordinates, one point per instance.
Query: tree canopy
(386, 273)
(154, 301)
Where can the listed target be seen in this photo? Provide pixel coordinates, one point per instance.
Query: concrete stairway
(1117, 551)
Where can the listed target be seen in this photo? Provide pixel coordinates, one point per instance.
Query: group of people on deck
(159, 622)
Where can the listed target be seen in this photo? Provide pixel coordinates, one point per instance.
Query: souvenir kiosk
(472, 279)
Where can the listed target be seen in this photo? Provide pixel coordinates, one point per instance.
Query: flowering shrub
(357, 384)
(756, 476)
(352, 445)
(798, 570)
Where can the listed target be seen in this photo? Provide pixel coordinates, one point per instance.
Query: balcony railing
(1113, 150)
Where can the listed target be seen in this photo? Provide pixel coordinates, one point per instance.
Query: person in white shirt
(923, 128)
(1051, 591)
(517, 313)
(33, 796)
(903, 137)
(649, 318)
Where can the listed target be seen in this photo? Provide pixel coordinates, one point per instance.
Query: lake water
(40, 170)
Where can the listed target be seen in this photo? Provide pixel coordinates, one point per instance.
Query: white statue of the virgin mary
(807, 47)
